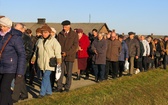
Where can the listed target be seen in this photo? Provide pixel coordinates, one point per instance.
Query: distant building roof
(87, 27)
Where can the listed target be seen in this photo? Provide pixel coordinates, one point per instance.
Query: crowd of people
(24, 56)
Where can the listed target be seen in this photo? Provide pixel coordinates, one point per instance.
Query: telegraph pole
(89, 18)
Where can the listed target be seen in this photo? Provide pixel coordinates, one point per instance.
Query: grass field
(146, 88)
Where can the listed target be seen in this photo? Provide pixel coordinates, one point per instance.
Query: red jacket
(84, 44)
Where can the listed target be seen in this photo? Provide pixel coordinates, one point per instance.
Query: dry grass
(147, 88)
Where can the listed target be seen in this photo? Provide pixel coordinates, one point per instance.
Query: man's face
(66, 28)
(20, 28)
(131, 36)
(149, 39)
(142, 37)
(94, 33)
(166, 38)
(109, 35)
(45, 34)
(120, 39)
(113, 36)
(155, 41)
(100, 36)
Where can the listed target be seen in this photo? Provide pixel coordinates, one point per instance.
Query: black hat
(66, 22)
(131, 33)
(121, 36)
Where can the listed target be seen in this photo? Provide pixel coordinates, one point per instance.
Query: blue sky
(140, 16)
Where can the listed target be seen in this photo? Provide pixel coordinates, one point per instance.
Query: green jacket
(45, 51)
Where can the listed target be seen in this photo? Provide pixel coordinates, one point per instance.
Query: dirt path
(33, 92)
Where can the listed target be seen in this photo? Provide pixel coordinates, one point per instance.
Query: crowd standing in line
(103, 55)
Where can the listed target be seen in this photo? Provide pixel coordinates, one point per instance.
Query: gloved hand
(19, 78)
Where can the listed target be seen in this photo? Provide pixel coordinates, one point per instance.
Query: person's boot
(77, 78)
(86, 78)
(96, 80)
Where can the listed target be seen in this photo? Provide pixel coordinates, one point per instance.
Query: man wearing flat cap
(68, 40)
(66, 22)
(134, 51)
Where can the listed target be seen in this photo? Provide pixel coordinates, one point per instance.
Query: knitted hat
(6, 22)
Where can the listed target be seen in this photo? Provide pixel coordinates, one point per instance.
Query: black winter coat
(28, 46)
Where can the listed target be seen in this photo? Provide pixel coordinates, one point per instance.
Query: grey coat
(100, 46)
(133, 47)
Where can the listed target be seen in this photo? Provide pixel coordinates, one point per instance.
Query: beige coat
(44, 52)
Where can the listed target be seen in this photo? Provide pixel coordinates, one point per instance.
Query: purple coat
(124, 52)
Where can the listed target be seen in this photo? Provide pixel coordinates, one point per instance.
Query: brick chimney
(41, 21)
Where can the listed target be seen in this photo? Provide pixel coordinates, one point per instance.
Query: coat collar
(48, 38)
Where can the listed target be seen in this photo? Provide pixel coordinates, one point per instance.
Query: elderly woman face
(2, 28)
(80, 35)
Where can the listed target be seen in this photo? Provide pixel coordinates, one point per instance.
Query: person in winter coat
(99, 47)
(52, 76)
(47, 47)
(20, 90)
(68, 40)
(82, 53)
(138, 62)
(123, 55)
(157, 53)
(165, 51)
(134, 51)
(152, 46)
(12, 59)
(146, 52)
(112, 55)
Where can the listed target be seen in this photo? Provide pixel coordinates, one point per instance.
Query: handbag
(53, 62)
